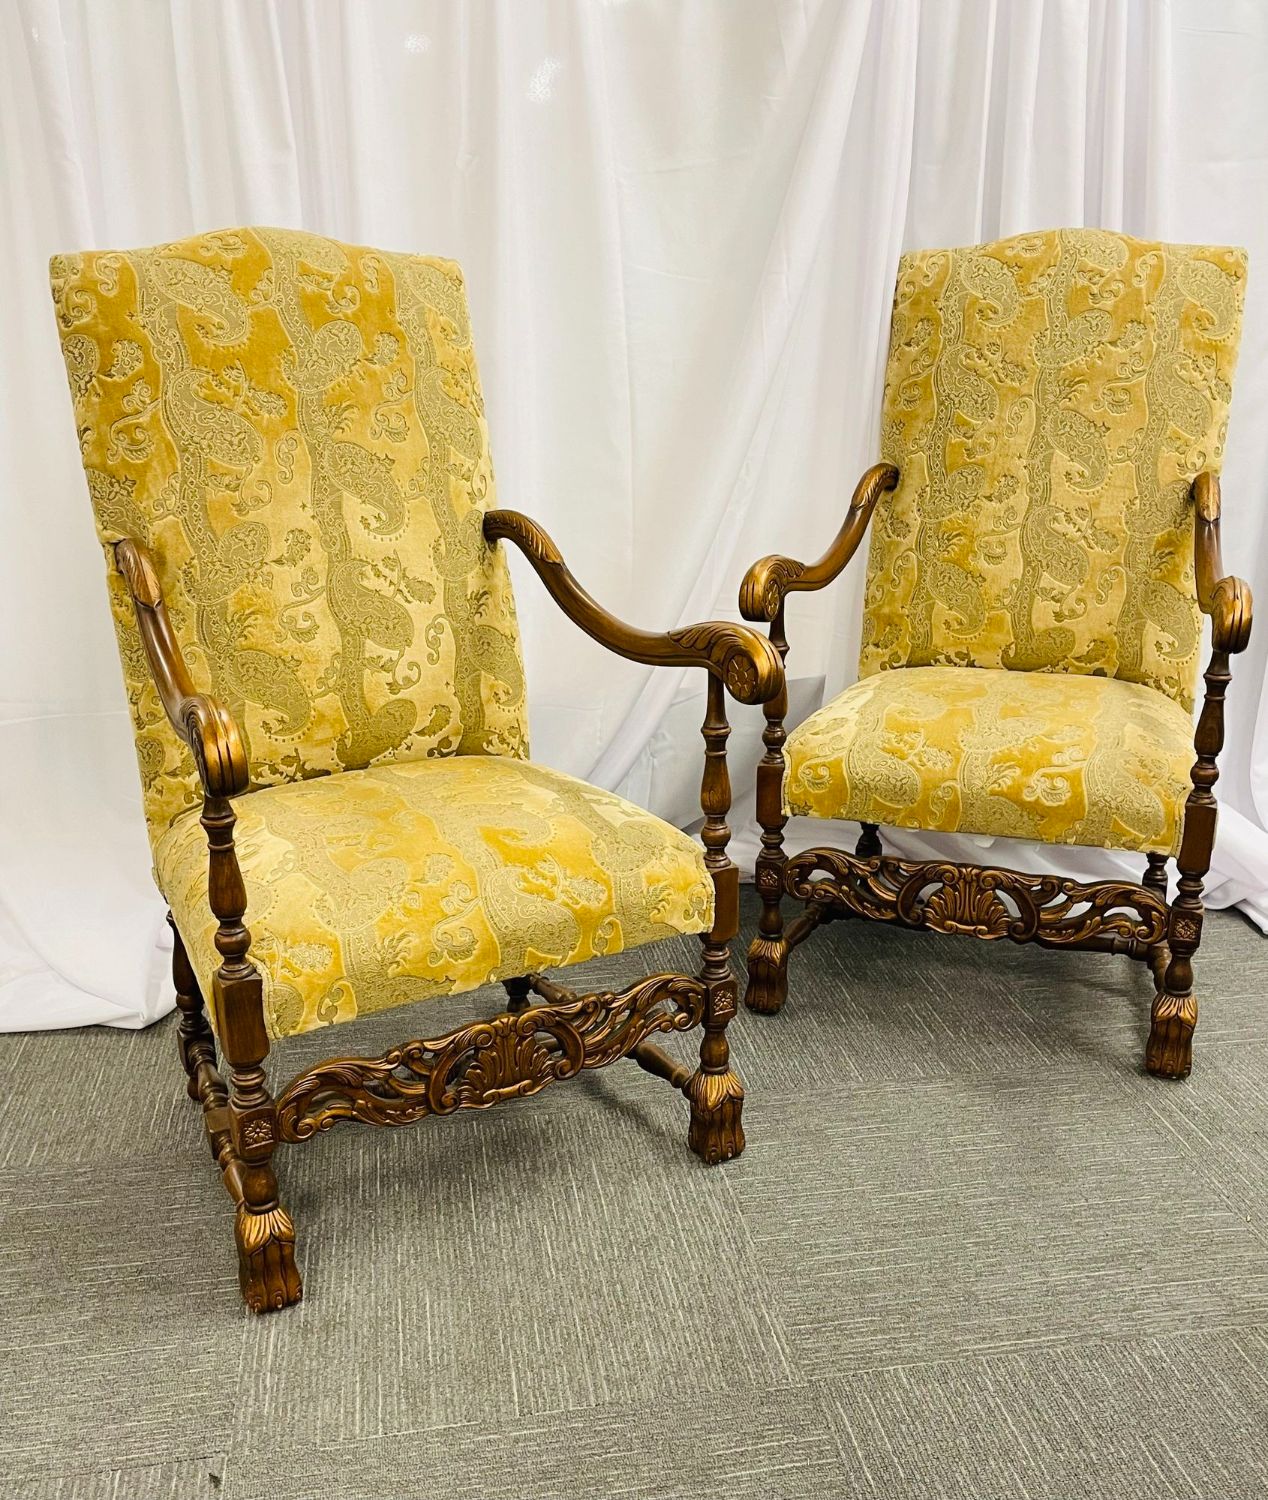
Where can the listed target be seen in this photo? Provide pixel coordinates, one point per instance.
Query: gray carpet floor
(971, 1251)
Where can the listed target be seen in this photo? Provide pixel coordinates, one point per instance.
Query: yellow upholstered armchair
(285, 445)
(1044, 542)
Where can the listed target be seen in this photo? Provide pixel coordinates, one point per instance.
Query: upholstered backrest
(294, 427)
(1048, 402)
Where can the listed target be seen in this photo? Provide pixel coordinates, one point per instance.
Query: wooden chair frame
(986, 901)
(547, 1033)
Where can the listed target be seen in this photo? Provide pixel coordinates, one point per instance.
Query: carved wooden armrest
(204, 725)
(1228, 602)
(768, 581)
(740, 658)
(1225, 598)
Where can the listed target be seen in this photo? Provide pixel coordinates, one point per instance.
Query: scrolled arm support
(1228, 602)
(1225, 598)
(215, 742)
(1231, 606)
(747, 666)
(743, 660)
(768, 582)
(205, 725)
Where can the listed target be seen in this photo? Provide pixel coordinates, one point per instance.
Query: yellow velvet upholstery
(1048, 402)
(294, 427)
(1062, 757)
(412, 880)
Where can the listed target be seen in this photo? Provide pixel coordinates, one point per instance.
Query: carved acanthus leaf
(940, 896)
(509, 1056)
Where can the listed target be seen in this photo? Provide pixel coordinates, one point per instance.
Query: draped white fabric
(679, 223)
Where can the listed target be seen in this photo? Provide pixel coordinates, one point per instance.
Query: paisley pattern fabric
(1064, 758)
(411, 880)
(1049, 399)
(294, 427)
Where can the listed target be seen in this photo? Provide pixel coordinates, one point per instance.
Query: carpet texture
(971, 1251)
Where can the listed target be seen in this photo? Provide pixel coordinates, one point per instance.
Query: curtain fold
(679, 225)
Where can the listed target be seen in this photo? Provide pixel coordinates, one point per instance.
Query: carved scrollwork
(139, 573)
(216, 745)
(982, 901)
(1227, 600)
(747, 662)
(507, 1057)
(205, 725)
(1231, 610)
(767, 582)
(531, 538)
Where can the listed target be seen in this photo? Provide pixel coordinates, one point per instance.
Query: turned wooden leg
(194, 1038)
(1155, 876)
(264, 1231)
(1155, 879)
(265, 1234)
(869, 844)
(519, 993)
(714, 1091)
(1169, 1053)
(767, 987)
(197, 1046)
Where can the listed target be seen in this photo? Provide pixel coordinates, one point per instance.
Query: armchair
(285, 446)
(1044, 533)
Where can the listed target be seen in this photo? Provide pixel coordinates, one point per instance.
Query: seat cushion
(1059, 757)
(402, 882)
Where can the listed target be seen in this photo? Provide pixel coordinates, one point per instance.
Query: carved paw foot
(717, 1104)
(266, 1260)
(767, 975)
(1169, 1053)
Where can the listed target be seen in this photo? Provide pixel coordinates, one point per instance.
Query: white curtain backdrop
(680, 221)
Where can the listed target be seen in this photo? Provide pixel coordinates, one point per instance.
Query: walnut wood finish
(1228, 602)
(763, 594)
(988, 901)
(768, 582)
(511, 1056)
(741, 657)
(1226, 599)
(205, 725)
(197, 1046)
(1155, 879)
(768, 952)
(1112, 915)
(241, 1121)
(715, 1092)
(264, 1231)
